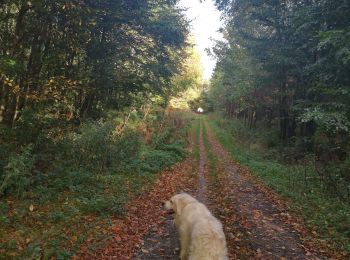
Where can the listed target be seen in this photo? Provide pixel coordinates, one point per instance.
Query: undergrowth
(62, 187)
(322, 211)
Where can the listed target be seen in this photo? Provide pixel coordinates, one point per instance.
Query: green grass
(211, 159)
(325, 213)
(195, 131)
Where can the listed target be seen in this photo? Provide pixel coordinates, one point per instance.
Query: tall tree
(298, 69)
(73, 59)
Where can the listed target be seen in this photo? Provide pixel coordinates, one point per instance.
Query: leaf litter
(257, 222)
(144, 215)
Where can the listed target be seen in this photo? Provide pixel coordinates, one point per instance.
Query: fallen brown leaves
(258, 223)
(234, 224)
(144, 213)
(311, 243)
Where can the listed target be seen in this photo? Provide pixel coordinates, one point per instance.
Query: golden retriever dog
(201, 234)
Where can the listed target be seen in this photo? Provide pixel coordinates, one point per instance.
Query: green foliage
(103, 204)
(188, 82)
(155, 160)
(68, 61)
(69, 175)
(331, 122)
(9, 66)
(202, 101)
(164, 151)
(285, 63)
(97, 147)
(17, 173)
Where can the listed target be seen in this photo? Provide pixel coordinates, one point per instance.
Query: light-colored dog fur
(201, 234)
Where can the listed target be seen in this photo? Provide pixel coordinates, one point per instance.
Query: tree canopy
(75, 59)
(287, 61)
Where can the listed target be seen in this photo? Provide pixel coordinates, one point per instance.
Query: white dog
(201, 234)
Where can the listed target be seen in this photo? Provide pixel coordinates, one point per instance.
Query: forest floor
(257, 222)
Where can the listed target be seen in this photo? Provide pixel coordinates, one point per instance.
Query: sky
(205, 25)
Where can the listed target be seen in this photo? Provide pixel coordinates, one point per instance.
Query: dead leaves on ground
(244, 215)
(144, 214)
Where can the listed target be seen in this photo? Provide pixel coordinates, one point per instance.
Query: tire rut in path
(202, 184)
(160, 246)
(261, 218)
(162, 241)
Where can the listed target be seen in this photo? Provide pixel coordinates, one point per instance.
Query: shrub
(156, 160)
(97, 147)
(18, 171)
(163, 151)
(168, 141)
(90, 147)
(126, 152)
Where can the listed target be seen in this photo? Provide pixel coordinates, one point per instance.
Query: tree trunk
(3, 94)
(87, 106)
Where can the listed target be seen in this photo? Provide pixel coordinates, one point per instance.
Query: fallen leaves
(144, 214)
(247, 206)
(256, 221)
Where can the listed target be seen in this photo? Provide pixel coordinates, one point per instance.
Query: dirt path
(262, 222)
(162, 242)
(202, 172)
(166, 244)
(256, 223)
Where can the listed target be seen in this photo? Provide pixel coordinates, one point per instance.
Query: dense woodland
(65, 62)
(84, 90)
(75, 59)
(285, 65)
(87, 118)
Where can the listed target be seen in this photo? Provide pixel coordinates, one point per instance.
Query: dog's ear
(178, 205)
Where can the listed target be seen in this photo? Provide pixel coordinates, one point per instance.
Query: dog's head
(178, 202)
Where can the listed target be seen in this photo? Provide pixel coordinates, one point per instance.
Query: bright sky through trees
(205, 25)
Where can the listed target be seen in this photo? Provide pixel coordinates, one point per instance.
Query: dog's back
(201, 234)
(207, 240)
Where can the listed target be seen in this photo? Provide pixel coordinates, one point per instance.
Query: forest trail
(166, 245)
(202, 171)
(262, 227)
(263, 224)
(256, 222)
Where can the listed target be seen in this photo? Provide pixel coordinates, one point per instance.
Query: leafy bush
(168, 141)
(163, 151)
(90, 147)
(7, 146)
(97, 147)
(156, 160)
(17, 172)
(126, 152)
